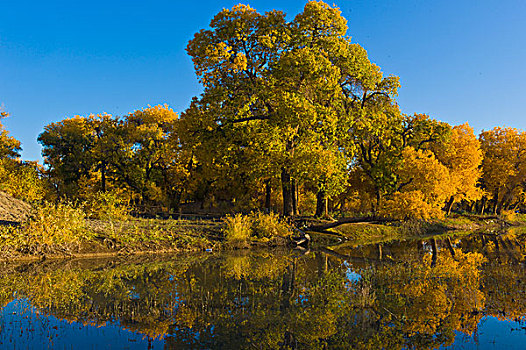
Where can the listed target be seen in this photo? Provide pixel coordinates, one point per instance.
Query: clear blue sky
(458, 60)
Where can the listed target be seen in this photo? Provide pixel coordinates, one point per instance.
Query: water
(468, 293)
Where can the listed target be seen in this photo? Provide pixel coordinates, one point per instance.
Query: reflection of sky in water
(352, 276)
(493, 334)
(22, 327)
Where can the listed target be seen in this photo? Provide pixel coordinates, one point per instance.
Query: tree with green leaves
(67, 150)
(139, 156)
(302, 83)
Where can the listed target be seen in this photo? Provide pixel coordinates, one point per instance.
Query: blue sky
(457, 61)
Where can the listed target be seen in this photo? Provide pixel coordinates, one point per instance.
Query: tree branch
(246, 119)
(351, 220)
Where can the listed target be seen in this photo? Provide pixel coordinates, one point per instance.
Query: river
(463, 292)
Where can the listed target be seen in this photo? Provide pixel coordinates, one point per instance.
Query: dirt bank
(12, 210)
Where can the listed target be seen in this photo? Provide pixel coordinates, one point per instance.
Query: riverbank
(367, 232)
(63, 231)
(97, 238)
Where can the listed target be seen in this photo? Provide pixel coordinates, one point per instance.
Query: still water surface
(463, 293)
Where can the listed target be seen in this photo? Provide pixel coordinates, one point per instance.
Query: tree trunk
(288, 286)
(286, 188)
(322, 205)
(420, 248)
(376, 210)
(449, 205)
(450, 247)
(322, 261)
(103, 176)
(496, 198)
(175, 202)
(348, 220)
(294, 187)
(482, 205)
(297, 195)
(498, 207)
(497, 247)
(268, 192)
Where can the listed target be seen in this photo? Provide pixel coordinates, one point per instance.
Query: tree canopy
(294, 117)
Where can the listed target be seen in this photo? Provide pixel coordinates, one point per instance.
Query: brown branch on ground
(350, 220)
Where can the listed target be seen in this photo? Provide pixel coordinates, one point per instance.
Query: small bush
(54, 225)
(237, 230)
(106, 206)
(509, 215)
(268, 225)
(410, 205)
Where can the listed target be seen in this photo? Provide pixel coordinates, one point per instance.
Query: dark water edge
(452, 293)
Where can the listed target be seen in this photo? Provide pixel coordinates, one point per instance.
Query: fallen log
(350, 220)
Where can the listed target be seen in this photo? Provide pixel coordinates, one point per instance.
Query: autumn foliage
(293, 118)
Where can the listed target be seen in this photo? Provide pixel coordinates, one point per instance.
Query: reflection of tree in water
(136, 295)
(504, 278)
(420, 306)
(263, 300)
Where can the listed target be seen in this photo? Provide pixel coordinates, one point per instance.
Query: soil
(12, 210)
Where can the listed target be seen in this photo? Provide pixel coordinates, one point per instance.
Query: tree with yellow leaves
(390, 159)
(139, 154)
(9, 146)
(19, 178)
(504, 166)
(423, 186)
(462, 156)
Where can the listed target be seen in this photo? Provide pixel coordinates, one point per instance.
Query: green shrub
(54, 225)
(106, 206)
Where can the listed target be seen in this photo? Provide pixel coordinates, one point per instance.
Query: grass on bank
(51, 228)
(65, 229)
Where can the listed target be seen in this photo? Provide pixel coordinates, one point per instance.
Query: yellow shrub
(237, 230)
(106, 206)
(53, 224)
(268, 225)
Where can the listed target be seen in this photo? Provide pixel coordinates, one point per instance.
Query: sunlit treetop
(9, 146)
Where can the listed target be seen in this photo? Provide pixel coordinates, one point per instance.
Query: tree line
(293, 117)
